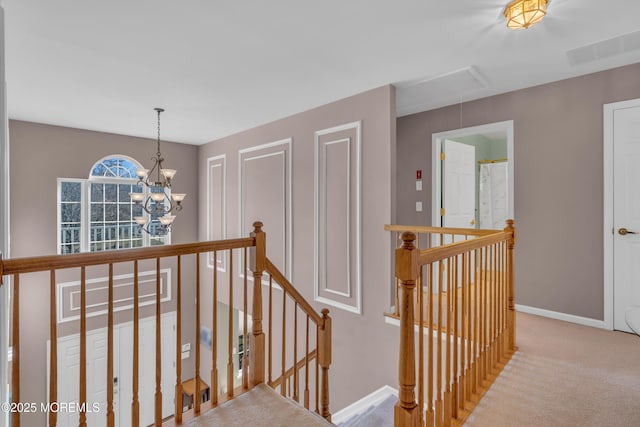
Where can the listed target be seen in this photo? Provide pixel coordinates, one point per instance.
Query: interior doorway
(493, 200)
(622, 215)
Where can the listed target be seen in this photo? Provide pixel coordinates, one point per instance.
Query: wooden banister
(406, 410)
(470, 322)
(253, 363)
(256, 357)
(58, 262)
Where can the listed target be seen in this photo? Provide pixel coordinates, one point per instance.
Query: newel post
(324, 360)
(511, 314)
(257, 265)
(406, 411)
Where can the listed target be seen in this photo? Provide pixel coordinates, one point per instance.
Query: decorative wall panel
(337, 219)
(97, 291)
(217, 206)
(265, 195)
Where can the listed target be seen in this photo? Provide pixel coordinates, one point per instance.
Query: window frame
(85, 205)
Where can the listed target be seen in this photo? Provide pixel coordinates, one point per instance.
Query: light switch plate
(418, 206)
(186, 347)
(419, 185)
(185, 355)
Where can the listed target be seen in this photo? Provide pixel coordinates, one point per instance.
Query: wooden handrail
(289, 372)
(288, 287)
(449, 250)
(425, 229)
(57, 262)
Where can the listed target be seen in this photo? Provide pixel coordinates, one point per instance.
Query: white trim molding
(350, 297)
(282, 148)
(608, 165)
(217, 162)
(594, 323)
(363, 404)
(66, 291)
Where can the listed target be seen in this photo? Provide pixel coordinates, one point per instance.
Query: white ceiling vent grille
(421, 94)
(604, 49)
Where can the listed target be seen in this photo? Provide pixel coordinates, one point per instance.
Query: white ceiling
(220, 67)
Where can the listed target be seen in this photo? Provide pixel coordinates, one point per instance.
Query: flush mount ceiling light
(525, 13)
(158, 202)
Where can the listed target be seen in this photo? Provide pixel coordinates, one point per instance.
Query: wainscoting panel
(68, 298)
(217, 206)
(337, 219)
(265, 195)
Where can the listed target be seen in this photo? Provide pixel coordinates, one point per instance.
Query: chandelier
(158, 201)
(525, 13)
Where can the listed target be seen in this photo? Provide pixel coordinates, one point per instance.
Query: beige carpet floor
(259, 407)
(565, 375)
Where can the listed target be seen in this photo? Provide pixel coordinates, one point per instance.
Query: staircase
(285, 368)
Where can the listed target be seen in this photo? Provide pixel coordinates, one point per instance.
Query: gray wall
(364, 347)
(39, 155)
(558, 181)
(4, 221)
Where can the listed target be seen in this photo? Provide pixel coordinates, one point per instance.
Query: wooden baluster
(230, 370)
(178, 392)
(468, 376)
(15, 363)
(110, 377)
(406, 411)
(270, 364)
(396, 307)
(256, 360)
(214, 333)
(283, 389)
(439, 408)
(196, 376)
(317, 383)
(420, 305)
(447, 383)
(463, 337)
(158, 393)
(245, 335)
(324, 360)
(455, 336)
(135, 404)
(53, 354)
(511, 313)
(430, 417)
(494, 301)
(83, 348)
(296, 397)
(483, 316)
(306, 366)
(475, 329)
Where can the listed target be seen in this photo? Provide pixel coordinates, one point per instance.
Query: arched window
(97, 214)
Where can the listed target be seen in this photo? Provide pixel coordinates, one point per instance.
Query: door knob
(623, 231)
(473, 222)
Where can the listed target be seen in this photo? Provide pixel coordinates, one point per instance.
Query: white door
(626, 214)
(69, 362)
(458, 185)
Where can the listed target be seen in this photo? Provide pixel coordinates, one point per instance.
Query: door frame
(608, 139)
(436, 172)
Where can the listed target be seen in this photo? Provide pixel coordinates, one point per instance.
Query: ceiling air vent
(444, 89)
(604, 49)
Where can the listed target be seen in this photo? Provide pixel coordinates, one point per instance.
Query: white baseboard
(562, 316)
(363, 404)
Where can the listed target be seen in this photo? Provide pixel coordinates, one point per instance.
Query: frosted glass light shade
(525, 13)
(136, 197)
(167, 219)
(178, 197)
(142, 173)
(142, 220)
(168, 173)
(157, 197)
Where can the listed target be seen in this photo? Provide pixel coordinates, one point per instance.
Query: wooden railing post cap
(408, 238)
(325, 312)
(407, 259)
(511, 229)
(257, 227)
